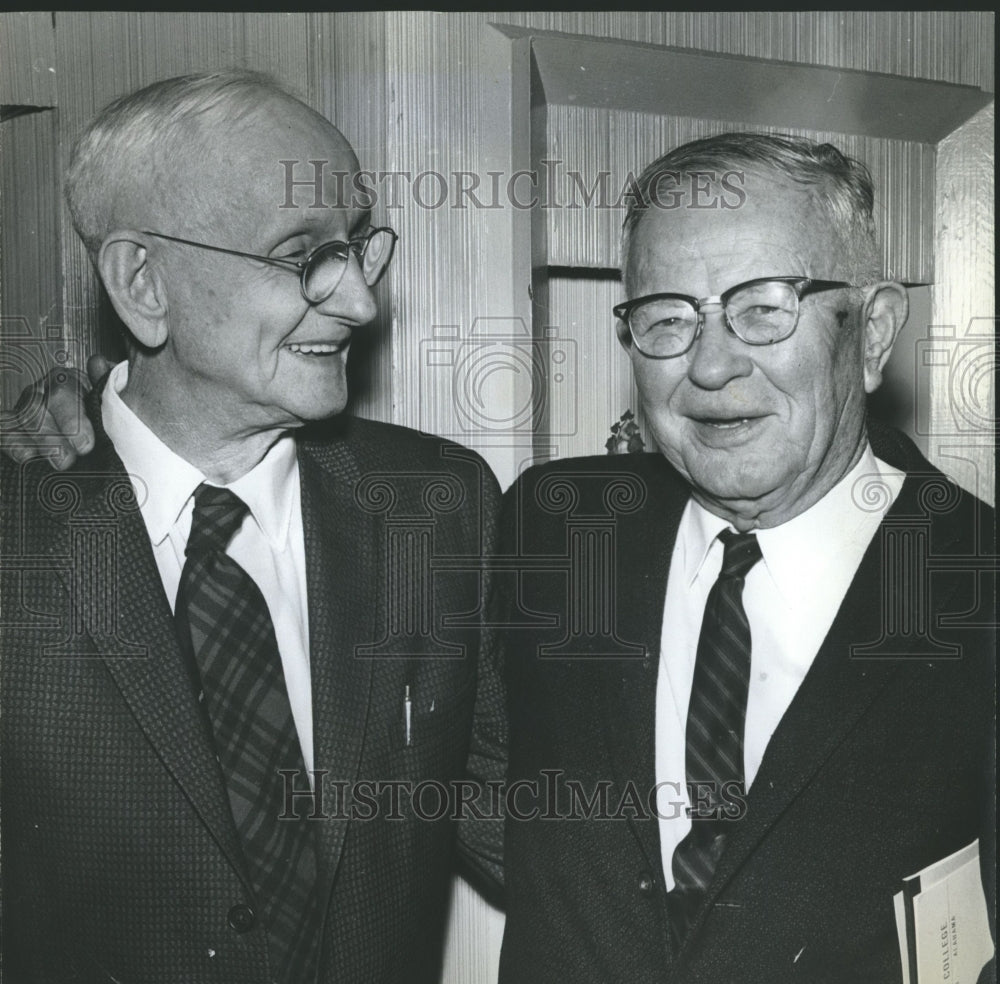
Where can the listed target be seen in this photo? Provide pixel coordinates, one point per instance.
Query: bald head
(187, 151)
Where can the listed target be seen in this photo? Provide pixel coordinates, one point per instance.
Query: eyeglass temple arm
(275, 261)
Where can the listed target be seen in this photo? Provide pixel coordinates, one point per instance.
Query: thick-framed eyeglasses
(759, 312)
(322, 270)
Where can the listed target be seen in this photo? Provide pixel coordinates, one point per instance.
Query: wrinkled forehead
(277, 162)
(710, 235)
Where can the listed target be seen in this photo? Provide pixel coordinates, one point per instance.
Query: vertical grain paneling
(950, 46)
(27, 59)
(438, 142)
(596, 385)
(432, 133)
(347, 84)
(472, 945)
(960, 351)
(31, 331)
(606, 148)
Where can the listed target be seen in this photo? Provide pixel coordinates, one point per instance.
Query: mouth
(724, 431)
(723, 423)
(317, 349)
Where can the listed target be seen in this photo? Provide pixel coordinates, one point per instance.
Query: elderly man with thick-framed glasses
(750, 711)
(206, 724)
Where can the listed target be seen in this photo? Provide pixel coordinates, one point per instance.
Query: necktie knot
(740, 552)
(218, 514)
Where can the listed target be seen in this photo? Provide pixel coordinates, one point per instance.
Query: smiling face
(244, 352)
(761, 433)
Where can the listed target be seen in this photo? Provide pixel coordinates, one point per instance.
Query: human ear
(883, 314)
(135, 289)
(624, 335)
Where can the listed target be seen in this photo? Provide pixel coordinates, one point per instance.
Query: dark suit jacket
(880, 767)
(120, 858)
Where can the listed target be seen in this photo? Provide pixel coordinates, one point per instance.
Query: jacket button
(646, 884)
(241, 918)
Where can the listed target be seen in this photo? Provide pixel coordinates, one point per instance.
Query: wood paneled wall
(592, 141)
(430, 92)
(27, 59)
(948, 46)
(955, 360)
(32, 334)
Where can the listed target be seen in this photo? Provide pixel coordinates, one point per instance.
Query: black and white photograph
(497, 497)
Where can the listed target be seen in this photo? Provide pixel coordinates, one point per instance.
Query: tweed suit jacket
(881, 766)
(120, 857)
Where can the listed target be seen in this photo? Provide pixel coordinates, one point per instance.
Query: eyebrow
(312, 231)
(363, 222)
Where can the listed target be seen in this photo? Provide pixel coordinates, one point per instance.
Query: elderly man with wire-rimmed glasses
(201, 686)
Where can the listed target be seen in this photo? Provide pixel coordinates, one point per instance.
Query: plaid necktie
(225, 627)
(716, 719)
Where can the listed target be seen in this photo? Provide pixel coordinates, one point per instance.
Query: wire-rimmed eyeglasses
(759, 312)
(322, 270)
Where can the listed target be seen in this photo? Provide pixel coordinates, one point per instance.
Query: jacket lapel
(345, 570)
(838, 689)
(645, 541)
(121, 611)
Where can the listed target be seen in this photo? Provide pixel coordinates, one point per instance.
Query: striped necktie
(715, 724)
(226, 631)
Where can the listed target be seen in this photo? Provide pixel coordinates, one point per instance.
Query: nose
(353, 299)
(717, 356)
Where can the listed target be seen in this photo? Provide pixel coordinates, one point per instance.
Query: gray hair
(842, 186)
(129, 136)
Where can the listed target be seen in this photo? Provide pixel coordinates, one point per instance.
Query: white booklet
(944, 933)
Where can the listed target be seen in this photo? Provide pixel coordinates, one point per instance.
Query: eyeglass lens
(759, 314)
(326, 266)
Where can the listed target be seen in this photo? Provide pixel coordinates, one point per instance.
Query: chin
(327, 410)
(299, 412)
(725, 485)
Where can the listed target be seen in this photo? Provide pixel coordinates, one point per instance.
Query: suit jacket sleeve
(480, 824)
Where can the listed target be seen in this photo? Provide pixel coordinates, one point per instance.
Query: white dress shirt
(791, 597)
(269, 545)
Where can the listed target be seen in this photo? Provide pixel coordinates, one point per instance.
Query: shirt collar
(702, 530)
(831, 536)
(837, 527)
(269, 489)
(165, 482)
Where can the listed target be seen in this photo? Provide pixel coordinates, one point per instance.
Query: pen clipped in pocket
(425, 712)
